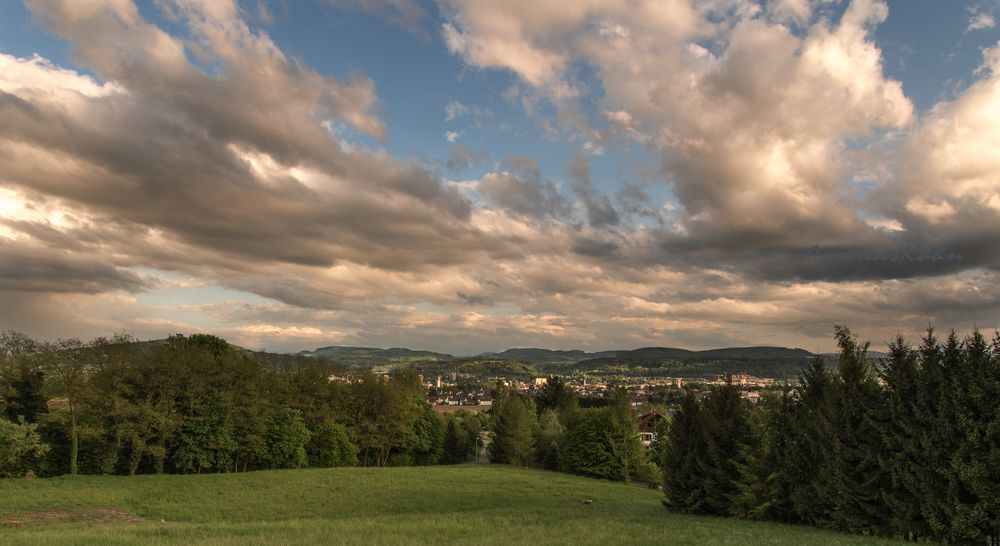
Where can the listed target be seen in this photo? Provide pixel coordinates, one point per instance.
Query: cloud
(600, 212)
(201, 151)
(406, 14)
(454, 109)
(462, 157)
(979, 19)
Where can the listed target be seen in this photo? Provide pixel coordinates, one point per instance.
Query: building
(647, 427)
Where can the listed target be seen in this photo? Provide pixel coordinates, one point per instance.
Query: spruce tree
(810, 441)
(725, 433)
(974, 410)
(514, 432)
(854, 471)
(937, 437)
(683, 484)
(455, 449)
(900, 431)
(762, 491)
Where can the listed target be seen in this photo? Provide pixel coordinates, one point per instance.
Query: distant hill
(874, 355)
(371, 356)
(670, 361)
(754, 353)
(778, 362)
(545, 357)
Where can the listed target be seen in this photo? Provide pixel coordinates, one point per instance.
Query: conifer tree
(455, 449)
(854, 472)
(763, 485)
(937, 438)
(513, 432)
(900, 431)
(683, 486)
(725, 433)
(810, 430)
(974, 411)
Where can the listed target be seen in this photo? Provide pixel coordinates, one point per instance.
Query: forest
(907, 448)
(906, 445)
(198, 404)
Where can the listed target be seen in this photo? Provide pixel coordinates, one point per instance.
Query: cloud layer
(805, 187)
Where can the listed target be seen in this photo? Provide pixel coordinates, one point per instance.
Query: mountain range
(544, 358)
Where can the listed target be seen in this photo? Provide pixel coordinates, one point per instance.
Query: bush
(21, 448)
(331, 445)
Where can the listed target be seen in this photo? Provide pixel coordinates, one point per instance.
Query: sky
(468, 176)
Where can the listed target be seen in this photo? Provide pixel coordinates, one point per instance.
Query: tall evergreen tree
(683, 481)
(854, 472)
(557, 395)
(937, 440)
(810, 429)
(900, 429)
(762, 491)
(513, 439)
(725, 434)
(975, 406)
(455, 448)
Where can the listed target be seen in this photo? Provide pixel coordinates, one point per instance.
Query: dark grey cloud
(524, 191)
(174, 152)
(32, 269)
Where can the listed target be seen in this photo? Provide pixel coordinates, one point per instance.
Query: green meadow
(467, 504)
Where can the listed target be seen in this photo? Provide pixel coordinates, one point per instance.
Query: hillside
(546, 357)
(777, 362)
(468, 504)
(359, 357)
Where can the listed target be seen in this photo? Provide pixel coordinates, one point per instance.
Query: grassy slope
(480, 504)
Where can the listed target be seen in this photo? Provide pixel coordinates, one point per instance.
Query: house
(647, 427)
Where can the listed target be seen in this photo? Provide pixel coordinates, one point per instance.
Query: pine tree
(513, 432)
(810, 442)
(623, 436)
(683, 484)
(725, 433)
(854, 470)
(455, 449)
(974, 410)
(900, 431)
(763, 485)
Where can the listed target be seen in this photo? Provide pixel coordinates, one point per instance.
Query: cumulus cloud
(754, 122)
(206, 152)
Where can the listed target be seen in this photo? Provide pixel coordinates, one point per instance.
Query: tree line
(553, 432)
(192, 404)
(908, 447)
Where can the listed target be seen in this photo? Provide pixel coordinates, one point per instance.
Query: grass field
(468, 504)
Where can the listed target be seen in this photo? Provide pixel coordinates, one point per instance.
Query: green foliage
(551, 440)
(21, 448)
(557, 395)
(25, 398)
(330, 445)
(286, 439)
(682, 475)
(588, 449)
(763, 488)
(514, 424)
(605, 443)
